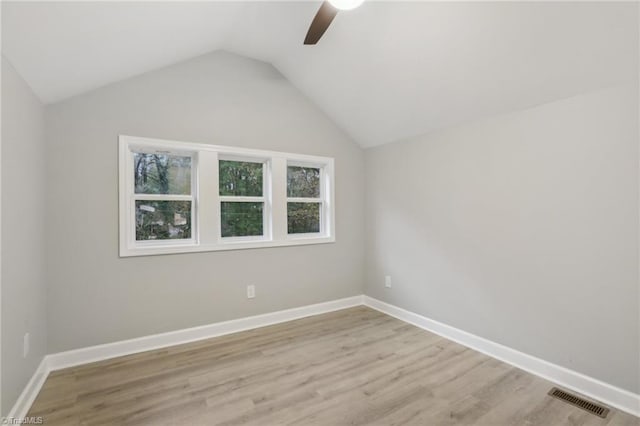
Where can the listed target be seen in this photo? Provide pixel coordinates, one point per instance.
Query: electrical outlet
(251, 291)
(25, 345)
(387, 281)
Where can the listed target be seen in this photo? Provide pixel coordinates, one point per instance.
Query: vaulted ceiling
(383, 72)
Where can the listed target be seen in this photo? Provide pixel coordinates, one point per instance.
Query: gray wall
(96, 297)
(23, 194)
(522, 229)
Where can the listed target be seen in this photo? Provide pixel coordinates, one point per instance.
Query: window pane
(241, 178)
(162, 174)
(163, 220)
(303, 182)
(241, 219)
(303, 218)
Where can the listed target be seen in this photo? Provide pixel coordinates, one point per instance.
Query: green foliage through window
(303, 218)
(163, 220)
(240, 178)
(162, 174)
(303, 182)
(240, 219)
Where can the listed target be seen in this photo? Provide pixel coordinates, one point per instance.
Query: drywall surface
(23, 202)
(220, 98)
(522, 229)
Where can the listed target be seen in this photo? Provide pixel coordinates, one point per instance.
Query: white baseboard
(156, 341)
(90, 354)
(588, 386)
(29, 393)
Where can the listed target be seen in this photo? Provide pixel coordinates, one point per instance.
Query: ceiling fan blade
(320, 22)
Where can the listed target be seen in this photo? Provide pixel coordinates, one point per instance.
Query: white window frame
(131, 200)
(206, 233)
(325, 216)
(265, 199)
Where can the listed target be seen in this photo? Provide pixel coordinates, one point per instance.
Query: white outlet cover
(251, 291)
(387, 281)
(25, 345)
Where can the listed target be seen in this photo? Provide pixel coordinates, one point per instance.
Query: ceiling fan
(328, 10)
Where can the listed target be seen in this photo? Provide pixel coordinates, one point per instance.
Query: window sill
(225, 245)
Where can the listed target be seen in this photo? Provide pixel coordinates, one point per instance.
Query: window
(304, 200)
(162, 196)
(178, 197)
(242, 200)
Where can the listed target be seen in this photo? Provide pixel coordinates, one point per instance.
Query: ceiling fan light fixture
(346, 4)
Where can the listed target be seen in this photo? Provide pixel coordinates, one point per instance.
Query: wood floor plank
(351, 367)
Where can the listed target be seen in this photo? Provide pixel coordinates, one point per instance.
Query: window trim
(325, 216)
(265, 199)
(206, 235)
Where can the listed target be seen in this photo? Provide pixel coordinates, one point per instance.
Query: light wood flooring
(351, 367)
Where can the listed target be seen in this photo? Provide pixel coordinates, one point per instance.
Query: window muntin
(304, 199)
(186, 205)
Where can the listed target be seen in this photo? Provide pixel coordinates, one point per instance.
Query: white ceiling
(383, 72)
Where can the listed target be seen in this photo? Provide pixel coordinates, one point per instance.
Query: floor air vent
(593, 408)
